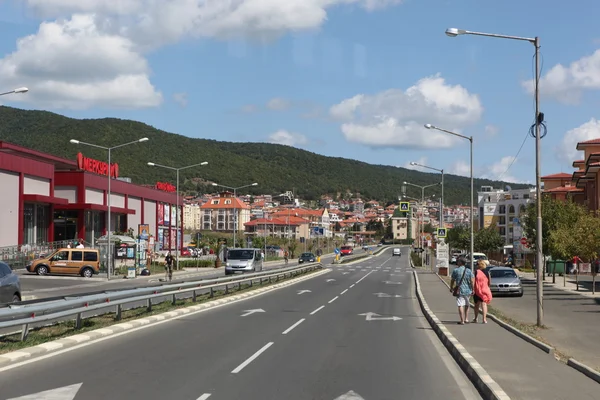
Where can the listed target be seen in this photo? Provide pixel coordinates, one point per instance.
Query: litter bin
(555, 267)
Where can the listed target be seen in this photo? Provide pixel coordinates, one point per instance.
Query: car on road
(396, 252)
(346, 250)
(306, 257)
(84, 262)
(505, 281)
(243, 260)
(10, 285)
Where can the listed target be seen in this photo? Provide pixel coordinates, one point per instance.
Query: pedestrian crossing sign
(404, 206)
(441, 232)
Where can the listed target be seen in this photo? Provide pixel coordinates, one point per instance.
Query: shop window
(28, 224)
(42, 222)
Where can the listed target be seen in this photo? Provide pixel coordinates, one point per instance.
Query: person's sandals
(474, 320)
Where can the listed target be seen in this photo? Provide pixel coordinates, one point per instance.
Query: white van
(243, 260)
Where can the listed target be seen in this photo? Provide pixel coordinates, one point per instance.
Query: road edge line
(485, 384)
(31, 354)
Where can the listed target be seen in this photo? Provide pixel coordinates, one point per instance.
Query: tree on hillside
(459, 237)
(428, 228)
(555, 214)
(488, 239)
(579, 239)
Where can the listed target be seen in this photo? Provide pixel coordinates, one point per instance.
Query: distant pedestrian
(169, 266)
(482, 295)
(575, 265)
(80, 244)
(461, 287)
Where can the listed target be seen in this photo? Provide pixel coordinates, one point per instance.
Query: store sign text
(165, 187)
(96, 167)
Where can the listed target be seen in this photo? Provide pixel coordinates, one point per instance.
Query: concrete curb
(14, 357)
(584, 369)
(530, 339)
(487, 387)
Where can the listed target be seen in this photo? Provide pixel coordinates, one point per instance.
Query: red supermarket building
(46, 198)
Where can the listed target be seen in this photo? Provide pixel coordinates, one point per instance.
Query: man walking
(169, 266)
(461, 287)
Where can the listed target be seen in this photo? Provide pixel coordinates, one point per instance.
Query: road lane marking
(252, 358)
(344, 291)
(334, 299)
(288, 330)
(317, 310)
(358, 281)
(204, 396)
(351, 286)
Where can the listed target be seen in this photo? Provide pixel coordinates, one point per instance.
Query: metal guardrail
(25, 315)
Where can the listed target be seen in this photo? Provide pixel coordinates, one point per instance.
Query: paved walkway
(523, 371)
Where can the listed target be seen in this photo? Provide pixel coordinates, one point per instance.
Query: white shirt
(80, 246)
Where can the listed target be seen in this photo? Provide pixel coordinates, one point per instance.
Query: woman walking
(482, 295)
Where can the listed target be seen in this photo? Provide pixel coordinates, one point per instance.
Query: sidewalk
(522, 370)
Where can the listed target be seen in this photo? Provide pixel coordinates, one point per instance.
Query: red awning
(38, 198)
(96, 207)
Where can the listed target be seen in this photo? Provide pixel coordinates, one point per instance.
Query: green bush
(416, 259)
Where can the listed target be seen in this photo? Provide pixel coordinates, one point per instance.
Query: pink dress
(482, 289)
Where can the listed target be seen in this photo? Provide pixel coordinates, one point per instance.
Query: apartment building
(192, 216)
(219, 213)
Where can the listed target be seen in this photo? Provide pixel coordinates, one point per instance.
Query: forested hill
(276, 168)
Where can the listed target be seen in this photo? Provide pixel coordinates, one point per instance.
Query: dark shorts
(477, 299)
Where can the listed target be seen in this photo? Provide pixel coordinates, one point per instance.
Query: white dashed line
(204, 396)
(252, 358)
(351, 286)
(288, 330)
(345, 290)
(334, 299)
(317, 310)
(358, 281)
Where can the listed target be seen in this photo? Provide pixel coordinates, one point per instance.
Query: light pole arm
(499, 36)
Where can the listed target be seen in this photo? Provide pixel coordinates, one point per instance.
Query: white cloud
(491, 130)
(92, 52)
(181, 99)
(288, 138)
(278, 104)
(567, 149)
(496, 171)
(71, 64)
(461, 168)
(395, 118)
(567, 83)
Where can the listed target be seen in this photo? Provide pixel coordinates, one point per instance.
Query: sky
(347, 78)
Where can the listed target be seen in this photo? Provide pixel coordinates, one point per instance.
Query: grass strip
(65, 329)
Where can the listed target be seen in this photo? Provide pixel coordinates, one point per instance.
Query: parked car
(10, 285)
(397, 252)
(504, 280)
(306, 257)
(84, 262)
(346, 250)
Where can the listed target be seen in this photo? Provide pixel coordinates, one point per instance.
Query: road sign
(524, 241)
(441, 232)
(336, 251)
(442, 255)
(404, 206)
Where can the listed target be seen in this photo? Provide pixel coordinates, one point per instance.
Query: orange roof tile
(561, 175)
(592, 141)
(217, 203)
(563, 189)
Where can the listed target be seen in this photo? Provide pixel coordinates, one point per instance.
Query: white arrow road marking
(204, 396)
(386, 295)
(250, 312)
(345, 273)
(303, 291)
(392, 283)
(371, 316)
(63, 393)
(330, 280)
(351, 395)
(252, 358)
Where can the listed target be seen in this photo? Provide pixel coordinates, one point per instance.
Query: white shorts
(462, 301)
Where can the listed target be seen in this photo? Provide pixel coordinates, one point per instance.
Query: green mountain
(275, 167)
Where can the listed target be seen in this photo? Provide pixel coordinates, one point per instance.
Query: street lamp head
(214, 184)
(453, 32)
(21, 90)
(254, 184)
(74, 141)
(144, 139)
(204, 163)
(404, 183)
(151, 164)
(429, 126)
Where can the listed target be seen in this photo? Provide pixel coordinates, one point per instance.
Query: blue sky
(349, 78)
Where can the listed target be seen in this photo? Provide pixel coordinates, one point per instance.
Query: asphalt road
(311, 342)
(39, 287)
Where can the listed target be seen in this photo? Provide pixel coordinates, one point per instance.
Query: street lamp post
(177, 218)
(235, 216)
(470, 139)
(442, 222)
(539, 118)
(16, 91)
(422, 211)
(109, 254)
